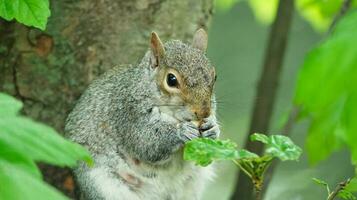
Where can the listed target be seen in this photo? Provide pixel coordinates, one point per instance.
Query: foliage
(319, 13)
(24, 142)
(264, 11)
(278, 146)
(327, 94)
(344, 190)
(29, 12)
(203, 151)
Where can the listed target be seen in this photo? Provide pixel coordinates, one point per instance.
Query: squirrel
(135, 122)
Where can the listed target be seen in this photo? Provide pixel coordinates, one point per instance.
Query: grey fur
(124, 116)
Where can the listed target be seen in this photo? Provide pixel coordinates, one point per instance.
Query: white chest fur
(183, 181)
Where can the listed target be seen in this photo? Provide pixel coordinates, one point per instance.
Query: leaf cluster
(327, 94)
(319, 13)
(204, 151)
(343, 190)
(23, 143)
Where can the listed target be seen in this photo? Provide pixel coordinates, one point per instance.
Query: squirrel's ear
(200, 40)
(157, 49)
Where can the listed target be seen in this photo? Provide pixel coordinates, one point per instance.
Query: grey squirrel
(136, 121)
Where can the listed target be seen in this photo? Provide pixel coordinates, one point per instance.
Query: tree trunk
(49, 70)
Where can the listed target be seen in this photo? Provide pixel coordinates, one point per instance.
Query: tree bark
(49, 70)
(267, 88)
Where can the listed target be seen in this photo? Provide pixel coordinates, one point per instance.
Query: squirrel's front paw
(188, 131)
(210, 129)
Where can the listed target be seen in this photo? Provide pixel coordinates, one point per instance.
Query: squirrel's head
(184, 75)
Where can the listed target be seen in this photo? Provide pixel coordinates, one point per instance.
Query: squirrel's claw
(189, 136)
(208, 123)
(188, 131)
(212, 133)
(210, 129)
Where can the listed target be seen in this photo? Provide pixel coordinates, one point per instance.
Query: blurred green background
(237, 42)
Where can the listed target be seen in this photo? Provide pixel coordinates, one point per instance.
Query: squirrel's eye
(172, 80)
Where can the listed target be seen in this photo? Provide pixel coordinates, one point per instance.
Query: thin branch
(339, 187)
(328, 190)
(344, 8)
(288, 126)
(242, 168)
(258, 193)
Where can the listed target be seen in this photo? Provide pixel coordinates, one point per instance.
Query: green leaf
(319, 181)
(349, 124)
(34, 140)
(278, 146)
(204, 150)
(320, 13)
(17, 183)
(18, 160)
(40, 142)
(29, 12)
(345, 194)
(9, 106)
(22, 142)
(283, 148)
(245, 154)
(352, 185)
(264, 11)
(327, 93)
(259, 137)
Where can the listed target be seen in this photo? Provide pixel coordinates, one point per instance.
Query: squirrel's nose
(201, 109)
(203, 112)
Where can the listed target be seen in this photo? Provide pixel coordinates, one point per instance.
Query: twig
(338, 188)
(242, 168)
(288, 126)
(344, 8)
(258, 191)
